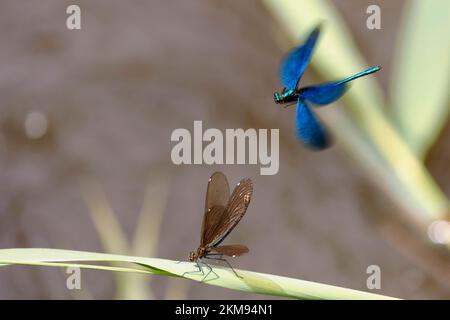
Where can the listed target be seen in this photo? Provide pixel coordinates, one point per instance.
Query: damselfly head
(278, 98)
(192, 256)
(195, 255)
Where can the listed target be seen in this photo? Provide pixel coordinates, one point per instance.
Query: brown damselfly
(222, 213)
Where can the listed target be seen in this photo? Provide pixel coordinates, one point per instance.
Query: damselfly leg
(211, 256)
(200, 270)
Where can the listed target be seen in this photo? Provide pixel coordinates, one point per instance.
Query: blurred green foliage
(421, 77)
(145, 239)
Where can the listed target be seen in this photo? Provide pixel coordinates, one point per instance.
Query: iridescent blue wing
(309, 129)
(296, 61)
(326, 93)
(323, 94)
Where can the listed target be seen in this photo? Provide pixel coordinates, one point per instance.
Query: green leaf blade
(253, 282)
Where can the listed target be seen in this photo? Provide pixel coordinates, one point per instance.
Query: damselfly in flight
(222, 213)
(309, 129)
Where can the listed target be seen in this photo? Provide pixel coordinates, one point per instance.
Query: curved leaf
(251, 281)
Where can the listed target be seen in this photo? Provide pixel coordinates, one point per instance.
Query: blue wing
(309, 129)
(323, 94)
(326, 93)
(296, 61)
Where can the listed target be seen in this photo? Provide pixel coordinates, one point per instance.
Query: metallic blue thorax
(286, 96)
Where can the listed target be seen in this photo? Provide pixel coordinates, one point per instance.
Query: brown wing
(211, 224)
(230, 250)
(235, 210)
(217, 194)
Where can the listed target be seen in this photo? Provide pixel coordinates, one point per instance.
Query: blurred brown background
(115, 90)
